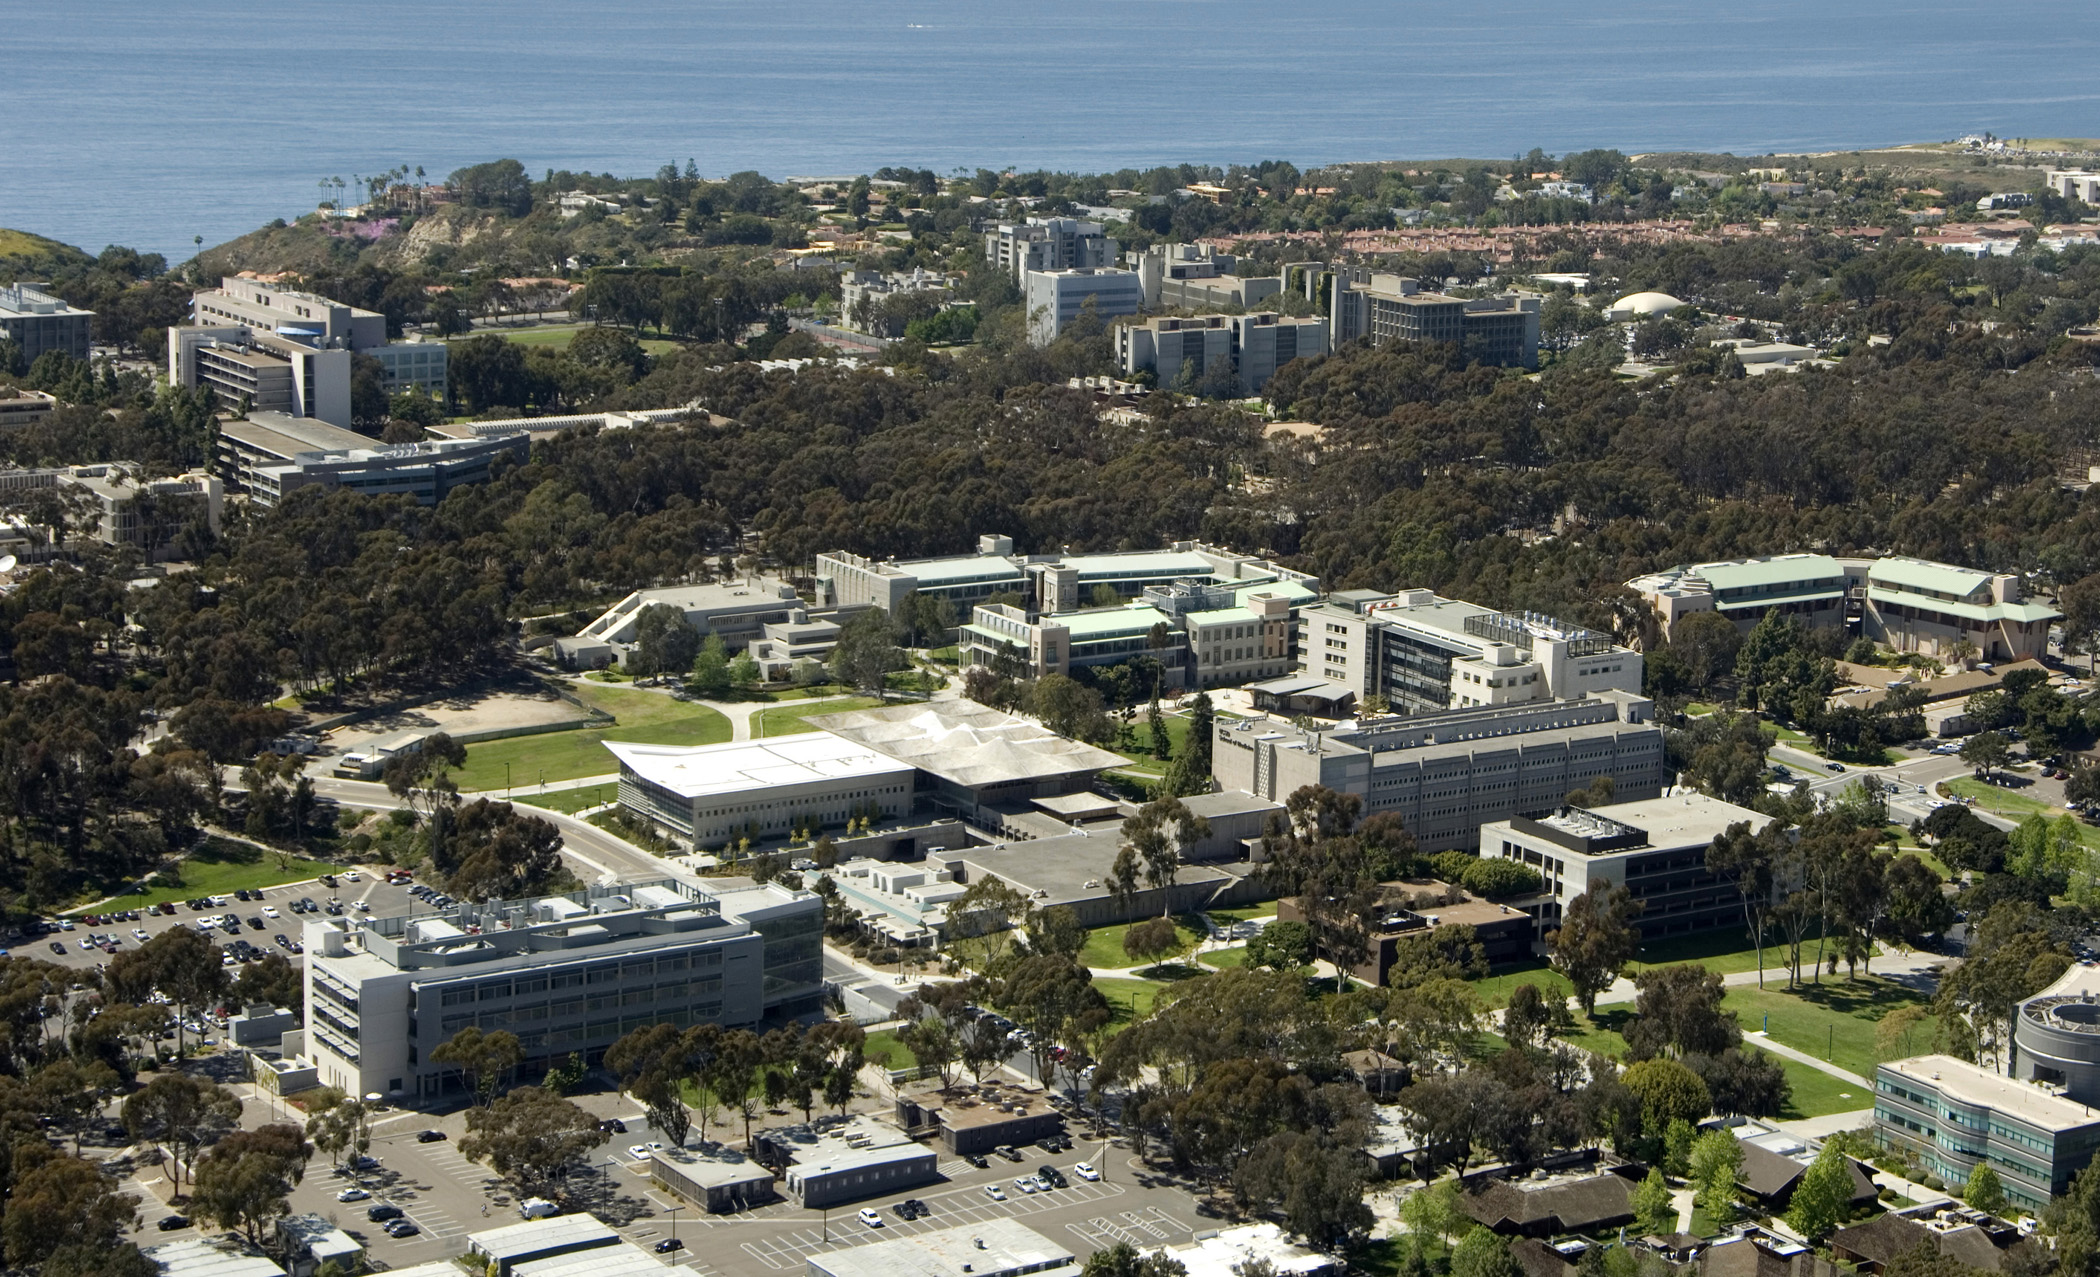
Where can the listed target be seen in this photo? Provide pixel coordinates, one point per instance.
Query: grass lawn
(219, 868)
(1726, 950)
(1603, 1033)
(2015, 806)
(643, 717)
(1243, 913)
(559, 337)
(1223, 959)
(787, 720)
(1104, 945)
(1177, 737)
(885, 1040)
(1130, 1000)
(571, 800)
(1699, 709)
(1495, 989)
(1816, 1093)
(1834, 1020)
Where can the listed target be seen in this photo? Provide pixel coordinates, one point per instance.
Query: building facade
(1447, 775)
(717, 794)
(1655, 848)
(1424, 653)
(1056, 298)
(737, 612)
(567, 974)
(37, 323)
(1380, 307)
(1955, 1116)
(1208, 349)
(1049, 244)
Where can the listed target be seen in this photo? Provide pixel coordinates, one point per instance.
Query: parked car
(429, 1137)
(669, 1244)
(1009, 1152)
(169, 1223)
(1086, 1171)
(1052, 1177)
(58, 948)
(994, 1192)
(919, 1209)
(613, 1124)
(870, 1217)
(402, 1228)
(641, 1152)
(977, 1160)
(352, 1195)
(383, 1212)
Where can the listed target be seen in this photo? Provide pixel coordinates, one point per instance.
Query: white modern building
(1197, 277)
(2074, 184)
(835, 1160)
(287, 351)
(1381, 307)
(37, 322)
(1955, 1116)
(1425, 653)
(1046, 582)
(716, 794)
(1055, 298)
(129, 509)
(1656, 848)
(1247, 349)
(1048, 244)
(1910, 605)
(739, 612)
(568, 974)
(1446, 775)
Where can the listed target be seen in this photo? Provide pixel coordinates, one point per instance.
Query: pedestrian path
(1764, 1040)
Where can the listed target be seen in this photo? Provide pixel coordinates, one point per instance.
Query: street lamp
(674, 1225)
(506, 781)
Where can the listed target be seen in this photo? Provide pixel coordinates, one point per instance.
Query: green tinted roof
(1109, 621)
(1295, 591)
(1916, 574)
(1222, 616)
(1967, 611)
(1783, 570)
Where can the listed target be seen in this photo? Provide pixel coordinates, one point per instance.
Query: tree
(1892, 1035)
(867, 651)
(1123, 1260)
(1987, 752)
(986, 907)
(1678, 1013)
(1056, 930)
(1324, 865)
(1155, 837)
(1482, 1253)
(1595, 940)
(663, 642)
(183, 1113)
(1985, 1191)
(2013, 954)
(246, 1181)
(1717, 1162)
(1748, 861)
(1434, 1210)
(1668, 1091)
(270, 980)
(58, 1201)
(1190, 773)
(654, 1065)
(1823, 1198)
(733, 1074)
(1281, 946)
(483, 1059)
(530, 1136)
(1677, 1147)
(496, 851)
(1654, 1210)
(1916, 907)
(1707, 644)
(343, 1131)
(180, 964)
(1152, 940)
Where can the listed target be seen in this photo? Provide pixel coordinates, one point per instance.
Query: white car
(870, 1218)
(362, 907)
(641, 1152)
(139, 932)
(1085, 1170)
(352, 1195)
(269, 911)
(353, 876)
(995, 1192)
(1026, 1183)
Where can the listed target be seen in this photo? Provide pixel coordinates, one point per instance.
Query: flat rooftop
(197, 1257)
(622, 1260)
(735, 767)
(1678, 820)
(1066, 868)
(1979, 1086)
(994, 1248)
(535, 1235)
(1140, 563)
(287, 436)
(969, 744)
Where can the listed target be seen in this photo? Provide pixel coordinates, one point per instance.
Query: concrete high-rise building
(1197, 277)
(1047, 244)
(37, 322)
(1246, 348)
(1055, 298)
(1497, 330)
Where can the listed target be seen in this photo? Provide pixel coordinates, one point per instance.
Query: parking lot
(75, 948)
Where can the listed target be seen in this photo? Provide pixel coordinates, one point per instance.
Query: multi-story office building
(715, 794)
(272, 455)
(1911, 605)
(1056, 298)
(1247, 348)
(1955, 1116)
(20, 408)
(1497, 330)
(1049, 244)
(862, 291)
(2074, 184)
(290, 352)
(2057, 1036)
(567, 974)
(1204, 632)
(1060, 643)
(1197, 277)
(1655, 848)
(37, 322)
(1445, 775)
(1057, 582)
(845, 579)
(1426, 653)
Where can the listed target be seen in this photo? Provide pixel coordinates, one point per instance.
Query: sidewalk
(1916, 963)
(1844, 1075)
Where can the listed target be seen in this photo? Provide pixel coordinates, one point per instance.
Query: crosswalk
(1132, 1227)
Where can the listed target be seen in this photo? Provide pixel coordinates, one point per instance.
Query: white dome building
(1641, 306)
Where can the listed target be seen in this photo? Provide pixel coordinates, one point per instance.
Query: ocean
(156, 123)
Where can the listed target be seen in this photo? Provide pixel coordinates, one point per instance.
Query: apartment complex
(1445, 775)
(567, 974)
(37, 322)
(1055, 298)
(1425, 653)
(1654, 847)
(1955, 1116)
(1048, 244)
(1497, 330)
(1247, 349)
(291, 352)
(1910, 605)
(271, 455)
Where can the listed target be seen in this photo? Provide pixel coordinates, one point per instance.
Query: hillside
(27, 256)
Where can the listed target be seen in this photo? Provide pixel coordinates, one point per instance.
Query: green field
(1129, 999)
(1816, 1093)
(571, 800)
(559, 337)
(885, 1040)
(1104, 945)
(1224, 959)
(219, 867)
(2015, 806)
(792, 717)
(1495, 989)
(644, 717)
(1834, 1020)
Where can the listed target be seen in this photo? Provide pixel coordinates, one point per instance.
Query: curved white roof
(1645, 304)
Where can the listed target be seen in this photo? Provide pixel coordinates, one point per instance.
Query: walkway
(1846, 1075)
(1904, 968)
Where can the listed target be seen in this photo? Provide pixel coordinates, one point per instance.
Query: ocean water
(151, 122)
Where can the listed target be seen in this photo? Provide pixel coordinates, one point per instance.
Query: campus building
(1048, 244)
(996, 1247)
(1909, 605)
(1446, 775)
(1424, 653)
(1954, 1116)
(127, 508)
(2056, 1036)
(835, 1160)
(273, 454)
(1206, 349)
(1369, 304)
(568, 974)
(37, 322)
(845, 579)
(741, 613)
(1655, 848)
(1055, 298)
(291, 352)
(20, 407)
(716, 794)
(1056, 581)
(1197, 277)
